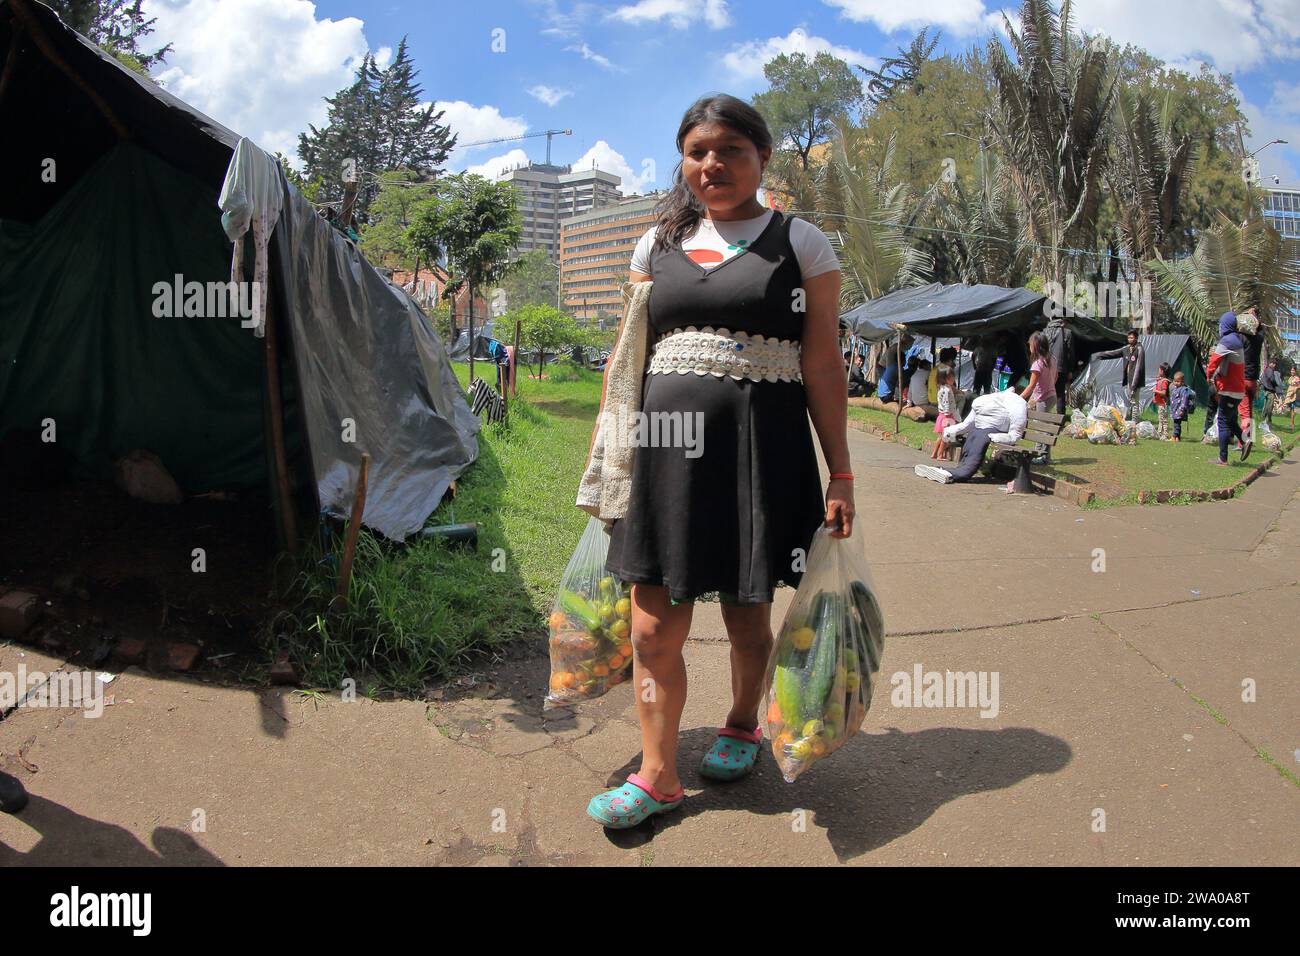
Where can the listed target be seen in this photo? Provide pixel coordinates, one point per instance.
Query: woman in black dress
(735, 517)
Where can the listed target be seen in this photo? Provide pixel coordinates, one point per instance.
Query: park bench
(1042, 427)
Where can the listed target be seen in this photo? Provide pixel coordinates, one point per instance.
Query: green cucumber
(579, 607)
(823, 654)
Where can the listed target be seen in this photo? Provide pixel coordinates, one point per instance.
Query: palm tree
(1147, 177)
(1051, 123)
(982, 229)
(1234, 266)
(867, 213)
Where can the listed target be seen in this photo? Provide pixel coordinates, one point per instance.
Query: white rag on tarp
(606, 485)
(251, 197)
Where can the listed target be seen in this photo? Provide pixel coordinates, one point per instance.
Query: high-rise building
(596, 254)
(1282, 211)
(551, 194)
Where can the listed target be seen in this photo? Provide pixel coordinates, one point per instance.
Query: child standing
(947, 402)
(1181, 402)
(1160, 397)
(1040, 393)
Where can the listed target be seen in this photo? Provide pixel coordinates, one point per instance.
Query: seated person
(997, 417)
(888, 383)
(857, 379)
(918, 386)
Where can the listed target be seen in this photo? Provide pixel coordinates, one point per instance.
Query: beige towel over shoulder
(606, 484)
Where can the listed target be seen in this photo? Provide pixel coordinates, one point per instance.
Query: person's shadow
(69, 839)
(874, 789)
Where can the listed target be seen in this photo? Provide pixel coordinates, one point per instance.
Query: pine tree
(118, 26)
(897, 74)
(378, 122)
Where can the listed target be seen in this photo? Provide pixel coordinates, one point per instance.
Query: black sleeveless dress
(728, 523)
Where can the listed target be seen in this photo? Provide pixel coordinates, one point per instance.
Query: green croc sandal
(632, 804)
(733, 754)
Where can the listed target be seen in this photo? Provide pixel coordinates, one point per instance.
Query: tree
(898, 74)
(117, 26)
(939, 120)
(1234, 266)
(806, 99)
(980, 237)
(1051, 123)
(547, 329)
(866, 213)
(534, 280)
(377, 122)
(476, 222)
(1147, 178)
(384, 238)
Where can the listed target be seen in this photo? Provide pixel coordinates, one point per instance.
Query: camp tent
(111, 189)
(1101, 380)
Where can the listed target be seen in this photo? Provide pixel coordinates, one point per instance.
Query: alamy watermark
(207, 300)
(638, 429)
(60, 689)
(1099, 300)
(950, 689)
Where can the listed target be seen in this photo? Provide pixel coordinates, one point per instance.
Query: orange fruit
(616, 661)
(626, 650)
(774, 713)
(600, 670)
(562, 680)
(557, 620)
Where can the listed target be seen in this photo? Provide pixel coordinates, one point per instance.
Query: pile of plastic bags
(1268, 438)
(1106, 425)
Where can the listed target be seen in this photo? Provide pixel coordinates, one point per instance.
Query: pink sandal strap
(645, 785)
(752, 736)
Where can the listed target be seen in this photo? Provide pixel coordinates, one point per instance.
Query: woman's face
(722, 166)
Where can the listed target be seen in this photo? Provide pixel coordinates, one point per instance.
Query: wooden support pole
(288, 517)
(25, 14)
(898, 385)
(354, 529)
(471, 334)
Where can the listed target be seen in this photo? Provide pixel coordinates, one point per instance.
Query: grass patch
(424, 611)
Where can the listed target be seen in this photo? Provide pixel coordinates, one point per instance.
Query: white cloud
(260, 67)
(955, 16)
(1231, 34)
(549, 95)
(496, 167)
(607, 159)
(589, 54)
(680, 14)
(473, 124)
(745, 62)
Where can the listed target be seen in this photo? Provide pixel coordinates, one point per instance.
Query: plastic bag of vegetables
(824, 663)
(590, 625)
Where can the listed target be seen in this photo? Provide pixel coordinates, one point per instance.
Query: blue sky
(620, 74)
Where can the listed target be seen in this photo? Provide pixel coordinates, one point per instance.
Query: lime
(802, 638)
(813, 728)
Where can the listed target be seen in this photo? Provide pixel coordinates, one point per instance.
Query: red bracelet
(842, 474)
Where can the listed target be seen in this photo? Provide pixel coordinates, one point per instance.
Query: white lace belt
(719, 352)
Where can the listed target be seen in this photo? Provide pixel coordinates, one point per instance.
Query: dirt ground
(110, 568)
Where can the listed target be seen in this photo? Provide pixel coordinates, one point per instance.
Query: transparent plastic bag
(1211, 437)
(823, 667)
(1146, 430)
(1078, 418)
(1101, 432)
(590, 625)
(1268, 438)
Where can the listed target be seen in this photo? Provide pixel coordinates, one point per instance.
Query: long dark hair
(1039, 348)
(679, 212)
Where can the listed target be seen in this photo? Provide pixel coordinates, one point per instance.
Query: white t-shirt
(715, 243)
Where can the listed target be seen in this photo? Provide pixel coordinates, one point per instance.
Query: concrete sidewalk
(1120, 697)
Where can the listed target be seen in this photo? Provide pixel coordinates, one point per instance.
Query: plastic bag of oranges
(590, 625)
(824, 663)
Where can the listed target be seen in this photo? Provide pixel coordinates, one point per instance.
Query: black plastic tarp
(960, 310)
(364, 370)
(1102, 380)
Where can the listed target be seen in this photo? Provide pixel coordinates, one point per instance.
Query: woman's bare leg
(750, 632)
(659, 631)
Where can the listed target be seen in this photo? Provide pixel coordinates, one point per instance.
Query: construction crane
(510, 139)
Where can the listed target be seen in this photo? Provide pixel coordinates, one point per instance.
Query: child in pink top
(1040, 393)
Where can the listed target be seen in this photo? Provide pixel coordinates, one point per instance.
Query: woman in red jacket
(1227, 373)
